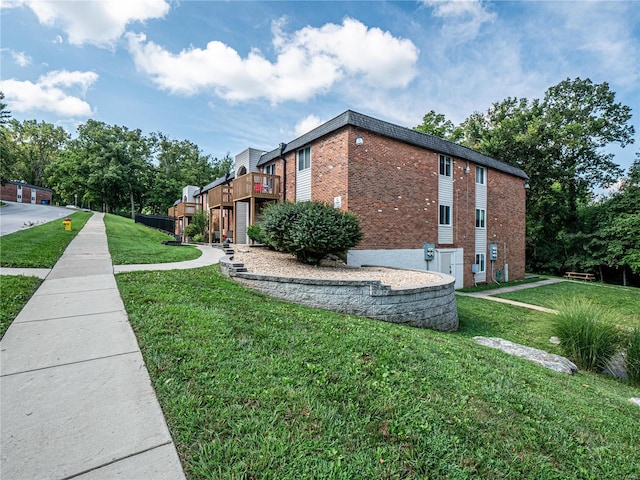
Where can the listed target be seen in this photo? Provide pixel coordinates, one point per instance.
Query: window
(480, 175)
(445, 215)
(304, 159)
(269, 169)
(480, 262)
(445, 165)
(480, 215)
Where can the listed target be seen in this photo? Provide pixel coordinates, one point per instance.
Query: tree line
(561, 142)
(104, 167)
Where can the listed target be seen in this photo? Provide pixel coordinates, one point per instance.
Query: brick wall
(393, 188)
(9, 192)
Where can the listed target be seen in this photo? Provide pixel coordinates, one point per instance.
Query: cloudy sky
(232, 74)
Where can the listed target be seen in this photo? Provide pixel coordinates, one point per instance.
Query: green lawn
(134, 243)
(258, 388)
(39, 246)
(625, 300)
(16, 292)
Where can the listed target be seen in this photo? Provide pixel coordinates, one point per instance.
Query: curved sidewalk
(77, 401)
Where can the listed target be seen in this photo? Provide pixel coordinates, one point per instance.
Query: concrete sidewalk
(76, 399)
(487, 294)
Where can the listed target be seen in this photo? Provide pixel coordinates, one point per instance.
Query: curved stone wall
(426, 306)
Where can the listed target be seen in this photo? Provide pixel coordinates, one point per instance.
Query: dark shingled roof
(216, 182)
(396, 132)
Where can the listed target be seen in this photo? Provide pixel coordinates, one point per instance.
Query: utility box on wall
(493, 252)
(429, 251)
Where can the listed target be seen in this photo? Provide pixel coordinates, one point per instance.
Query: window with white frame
(481, 175)
(480, 262)
(480, 217)
(304, 159)
(445, 165)
(269, 169)
(445, 215)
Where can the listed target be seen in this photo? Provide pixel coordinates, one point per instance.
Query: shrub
(633, 357)
(255, 233)
(197, 238)
(197, 225)
(310, 230)
(588, 333)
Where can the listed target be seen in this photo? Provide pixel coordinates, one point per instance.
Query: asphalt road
(17, 216)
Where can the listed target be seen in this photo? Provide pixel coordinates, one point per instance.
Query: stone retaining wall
(427, 306)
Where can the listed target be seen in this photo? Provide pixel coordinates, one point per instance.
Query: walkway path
(488, 294)
(77, 401)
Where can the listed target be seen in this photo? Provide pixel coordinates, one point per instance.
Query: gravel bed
(267, 262)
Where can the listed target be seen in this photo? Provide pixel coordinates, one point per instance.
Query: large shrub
(633, 357)
(197, 226)
(310, 230)
(588, 333)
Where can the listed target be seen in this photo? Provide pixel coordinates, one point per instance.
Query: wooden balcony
(184, 209)
(221, 196)
(256, 185)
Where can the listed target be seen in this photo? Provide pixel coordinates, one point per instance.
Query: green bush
(588, 333)
(310, 230)
(255, 233)
(197, 225)
(633, 357)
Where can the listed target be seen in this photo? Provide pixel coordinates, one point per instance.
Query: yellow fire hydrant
(67, 224)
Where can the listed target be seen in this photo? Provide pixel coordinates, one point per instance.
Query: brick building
(410, 190)
(21, 192)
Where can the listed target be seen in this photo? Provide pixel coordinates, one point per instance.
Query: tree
(6, 155)
(436, 124)
(559, 142)
(36, 146)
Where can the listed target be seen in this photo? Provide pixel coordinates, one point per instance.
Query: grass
(256, 388)
(134, 243)
(633, 356)
(588, 332)
(623, 300)
(16, 292)
(40, 246)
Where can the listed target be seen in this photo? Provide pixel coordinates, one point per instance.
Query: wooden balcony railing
(256, 185)
(221, 196)
(184, 209)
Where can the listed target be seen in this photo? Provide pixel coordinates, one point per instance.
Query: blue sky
(236, 74)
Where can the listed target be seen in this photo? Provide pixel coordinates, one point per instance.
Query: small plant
(310, 230)
(197, 238)
(633, 357)
(588, 333)
(197, 225)
(255, 233)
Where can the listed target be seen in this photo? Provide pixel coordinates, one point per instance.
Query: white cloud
(50, 93)
(307, 124)
(21, 58)
(462, 18)
(308, 62)
(97, 22)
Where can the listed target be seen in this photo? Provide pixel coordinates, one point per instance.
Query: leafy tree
(559, 141)
(35, 146)
(179, 163)
(310, 230)
(436, 124)
(6, 155)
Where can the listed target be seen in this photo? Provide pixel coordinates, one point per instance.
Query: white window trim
(484, 175)
(483, 218)
(481, 261)
(305, 167)
(440, 207)
(448, 165)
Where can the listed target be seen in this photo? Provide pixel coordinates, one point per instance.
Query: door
(446, 262)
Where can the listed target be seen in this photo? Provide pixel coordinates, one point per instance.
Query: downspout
(284, 171)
